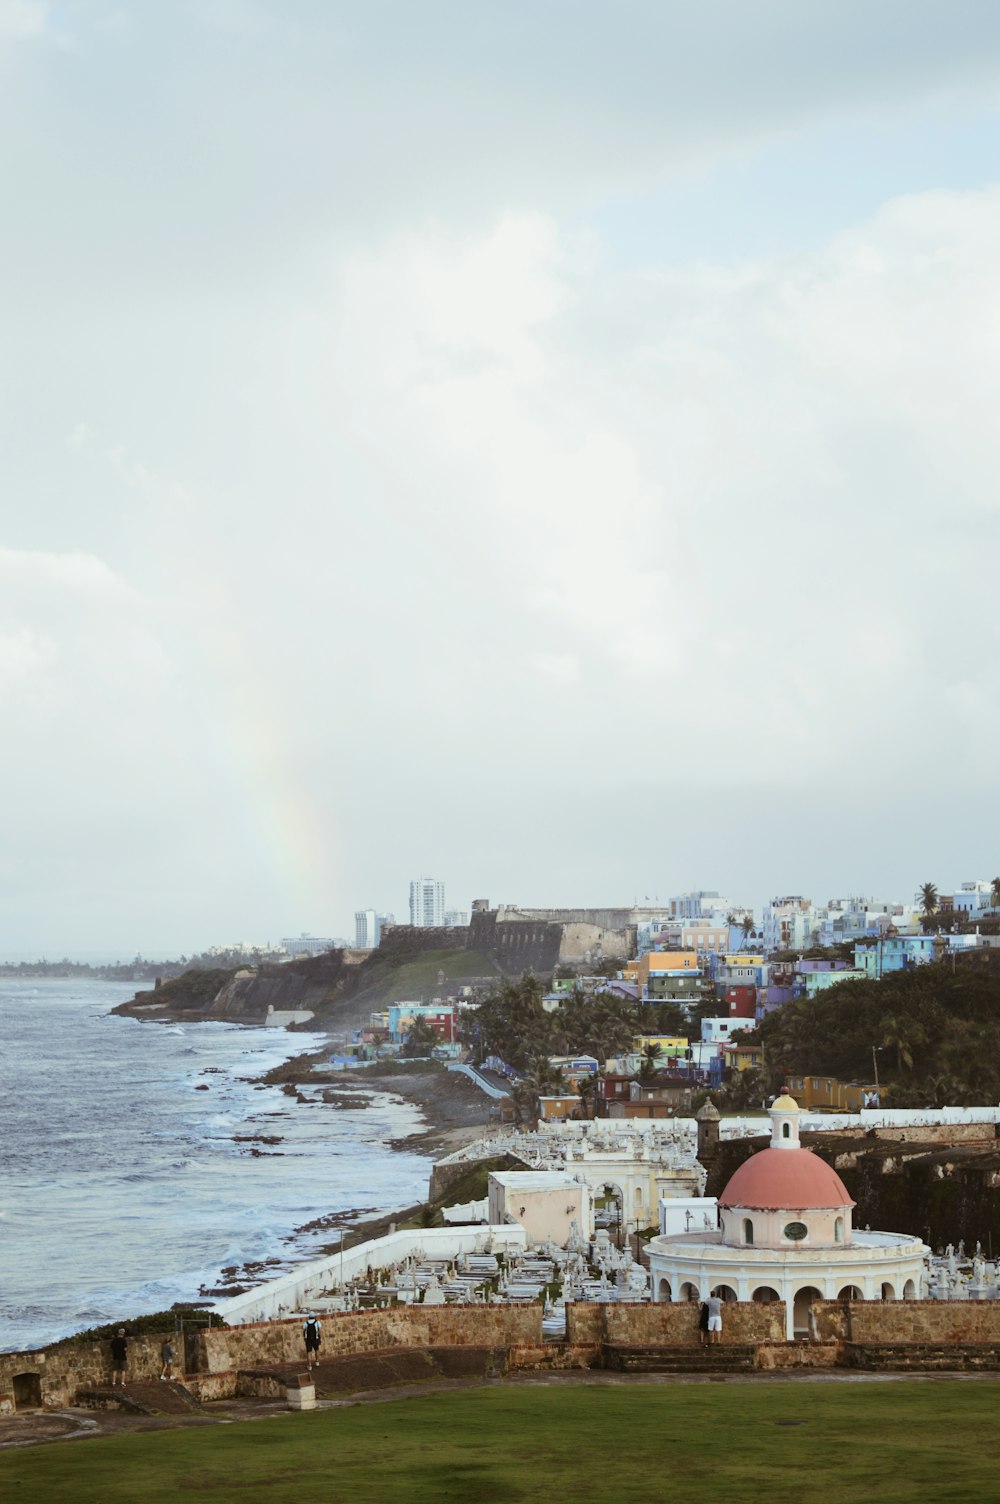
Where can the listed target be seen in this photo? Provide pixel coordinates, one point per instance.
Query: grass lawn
(886, 1441)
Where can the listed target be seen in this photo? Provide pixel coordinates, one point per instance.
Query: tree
(587, 1089)
(995, 893)
(928, 899)
(421, 1037)
(651, 1054)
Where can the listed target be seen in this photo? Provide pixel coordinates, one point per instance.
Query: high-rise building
(368, 926)
(426, 902)
(455, 919)
(366, 929)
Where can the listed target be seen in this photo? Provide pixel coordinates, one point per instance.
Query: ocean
(125, 1188)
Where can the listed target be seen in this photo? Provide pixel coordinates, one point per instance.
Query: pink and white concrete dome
(786, 1235)
(785, 1196)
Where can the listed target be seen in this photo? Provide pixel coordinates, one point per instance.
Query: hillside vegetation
(935, 1032)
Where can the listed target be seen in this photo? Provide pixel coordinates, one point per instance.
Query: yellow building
(659, 963)
(670, 1044)
(743, 1057)
(816, 1093)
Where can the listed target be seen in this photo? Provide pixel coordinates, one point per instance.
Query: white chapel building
(785, 1233)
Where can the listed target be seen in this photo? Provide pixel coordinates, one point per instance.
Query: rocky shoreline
(457, 1113)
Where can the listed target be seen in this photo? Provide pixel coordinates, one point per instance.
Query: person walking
(119, 1358)
(714, 1318)
(703, 1322)
(167, 1359)
(311, 1333)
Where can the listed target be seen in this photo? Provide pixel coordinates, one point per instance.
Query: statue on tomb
(638, 1280)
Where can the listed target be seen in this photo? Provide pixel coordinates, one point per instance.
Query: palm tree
(902, 1036)
(421, 1037)
(928, 899)
(650, 1059)
(588, 1095)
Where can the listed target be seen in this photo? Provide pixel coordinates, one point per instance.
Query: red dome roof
(785, 1180)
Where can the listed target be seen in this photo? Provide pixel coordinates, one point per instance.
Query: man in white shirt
(714, 1319)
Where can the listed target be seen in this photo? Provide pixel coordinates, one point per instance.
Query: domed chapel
(786, 1233)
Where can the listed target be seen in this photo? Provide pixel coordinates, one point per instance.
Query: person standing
(119, 1358)
(703, 1322)
(714, 1318)
(311, 1333)
(167, 1359)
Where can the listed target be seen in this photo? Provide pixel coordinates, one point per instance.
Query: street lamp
(876, 1050)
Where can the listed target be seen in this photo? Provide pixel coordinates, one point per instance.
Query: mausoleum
(785, 1233)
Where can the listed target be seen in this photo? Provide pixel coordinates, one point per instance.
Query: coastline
(456, 1111)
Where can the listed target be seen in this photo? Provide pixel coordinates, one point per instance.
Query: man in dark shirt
(119, 1358)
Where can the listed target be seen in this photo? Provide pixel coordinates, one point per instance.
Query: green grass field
(783, 1442)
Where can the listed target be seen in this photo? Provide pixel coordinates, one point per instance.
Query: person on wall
(119, 1359)
(714, 1304)
(311, 1333)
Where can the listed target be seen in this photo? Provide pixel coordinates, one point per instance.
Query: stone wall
(671, 1324)
(517, 945)
(69, 1366)
(214, 1357)
(257, 1345)
(923, 1321)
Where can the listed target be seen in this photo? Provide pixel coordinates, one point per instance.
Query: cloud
(22, 20)
(355, 462)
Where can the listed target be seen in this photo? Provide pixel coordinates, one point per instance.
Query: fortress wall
(518, 945)
(69, 1366)
(216, 1357)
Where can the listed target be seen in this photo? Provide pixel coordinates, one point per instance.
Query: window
(796, 1231)
(838, 1230)
(747, 1230)
(786, 1130)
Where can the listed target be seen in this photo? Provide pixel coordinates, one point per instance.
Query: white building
(700, 905)
(786, 1234)
(789, 924)
(368, 926)
(455, 919)
(426, 903)
(973, 897)
(545, 1203)
(308, 945)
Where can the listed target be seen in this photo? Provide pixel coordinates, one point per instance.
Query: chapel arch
(803, 1319)
(765, 1295)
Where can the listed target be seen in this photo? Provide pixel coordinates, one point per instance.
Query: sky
(549, 446)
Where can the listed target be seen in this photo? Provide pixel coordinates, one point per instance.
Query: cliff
(244, 996)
